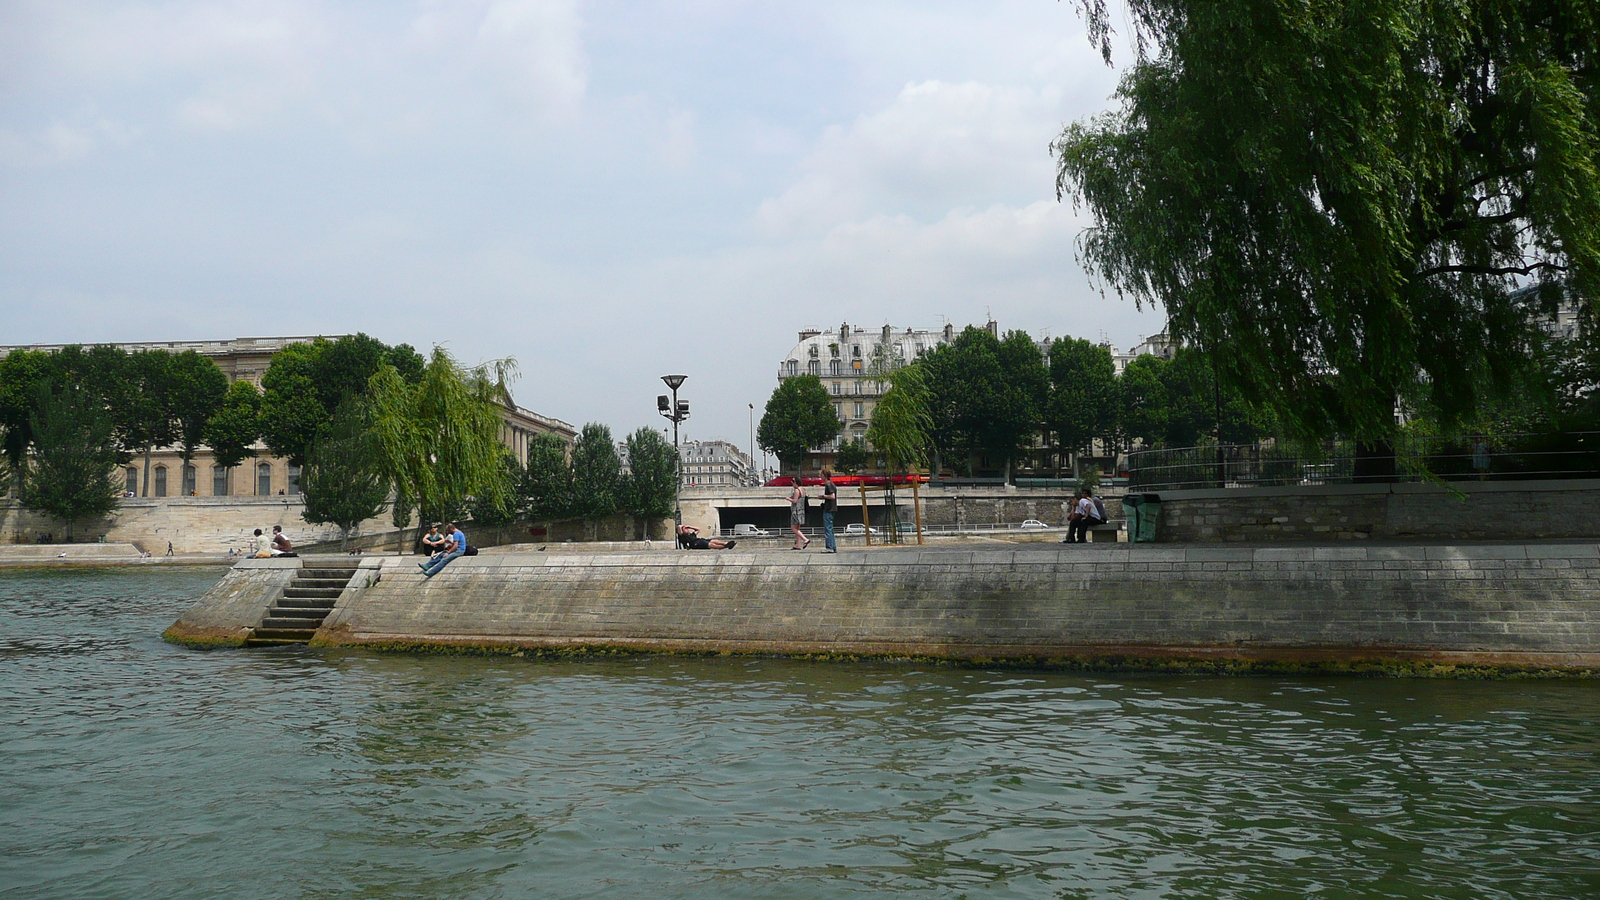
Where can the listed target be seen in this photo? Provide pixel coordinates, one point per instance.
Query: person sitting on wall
(1085, 517)
(258, 546)
(433, 542)
(280, 542)
(689, 538)
(455, 547)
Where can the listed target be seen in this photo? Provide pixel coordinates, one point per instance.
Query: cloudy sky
(606, 191)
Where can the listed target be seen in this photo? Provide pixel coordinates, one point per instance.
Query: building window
(221, 481)
(294, 480)
(263, 480)
(835, 367)
(794, 367)
(858, 389)
(190, 476)
(836, 387)
(813, 368)
(859, 411)
(855, 351)
(161, 481)
(838, 410)
(130, 481)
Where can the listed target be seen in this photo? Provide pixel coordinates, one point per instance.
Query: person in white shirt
(1083, 518)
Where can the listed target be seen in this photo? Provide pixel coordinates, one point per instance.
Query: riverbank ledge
(1531, 606)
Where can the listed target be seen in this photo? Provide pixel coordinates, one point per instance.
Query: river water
(133, 768)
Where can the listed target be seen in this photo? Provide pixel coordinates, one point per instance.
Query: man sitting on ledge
(455, 546)
(689, 538)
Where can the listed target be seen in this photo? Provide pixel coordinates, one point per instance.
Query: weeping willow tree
(902, 428)
(1339, 200)
(439, 439)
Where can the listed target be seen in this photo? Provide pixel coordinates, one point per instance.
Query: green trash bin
(1142, 512)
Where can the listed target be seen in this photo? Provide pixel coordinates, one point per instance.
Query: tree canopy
(799, 415)
(1083, 393)
(306, 382)
(69, 477)
(985, 394)
(596, 473)
(1340, 200)
(342, 482)
(650, 490)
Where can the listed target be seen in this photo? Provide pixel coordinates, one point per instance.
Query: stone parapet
(1458, 511)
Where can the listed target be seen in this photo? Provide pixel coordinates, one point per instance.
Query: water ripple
(129, 767)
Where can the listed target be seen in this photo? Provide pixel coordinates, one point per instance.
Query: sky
(606, 192)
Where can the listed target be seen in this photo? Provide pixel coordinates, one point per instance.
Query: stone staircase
(308, 599)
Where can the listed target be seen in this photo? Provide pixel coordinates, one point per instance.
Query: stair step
(289, 623)
(338, 574)
(283, 635)
(322, 603)
(300, 593)
(278, 612)
(304, 582)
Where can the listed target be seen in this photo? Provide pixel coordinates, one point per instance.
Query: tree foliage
(985, 395)
(306, 383)
(439, 439)
(596, 473)
(1083, 393)
(650, 490)
(901, 424)
(852, 455)
(342, 482)
(798, 416)
(198, 389)
(1339, 200)
(545, 491)
(236, 426)
(69, 475)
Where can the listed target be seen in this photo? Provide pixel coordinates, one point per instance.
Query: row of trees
(981, 395)
(371, 427)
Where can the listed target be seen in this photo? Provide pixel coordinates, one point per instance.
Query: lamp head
(662, 404)
(673, 381)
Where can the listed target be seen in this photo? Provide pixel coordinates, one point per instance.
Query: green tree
(852, 456)
(307, 382)
(342, 483)
(798, 416)
(439, 439)
(198, 389)
(234, 428)
(545, 492)
(985, 395)
(1339, 200)
(22, 372)
(143, 399)
(596, 473)
(1142, 395)
(650, 490)
(69, 474)
(1083, 402)
(901, 424)
(498, 507)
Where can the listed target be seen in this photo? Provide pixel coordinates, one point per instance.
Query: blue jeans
(433, 568)
(827, 531)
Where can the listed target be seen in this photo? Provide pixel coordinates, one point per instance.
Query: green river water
(134, 768)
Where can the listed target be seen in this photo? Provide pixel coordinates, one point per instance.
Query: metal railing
(1502, 458)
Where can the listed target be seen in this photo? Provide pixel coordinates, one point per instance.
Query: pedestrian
(455, 546)
(280, 542)
(830, 503)
(1083, 518)
(797, 515)
(433, 542)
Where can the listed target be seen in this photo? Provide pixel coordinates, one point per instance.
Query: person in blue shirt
(455, 545)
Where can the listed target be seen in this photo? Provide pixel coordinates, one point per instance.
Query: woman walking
(797, 515)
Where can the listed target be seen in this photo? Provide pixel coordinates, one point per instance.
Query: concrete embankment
(1520, 605)
(96, 555)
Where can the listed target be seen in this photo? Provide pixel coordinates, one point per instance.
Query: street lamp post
(752, 435)
(676, 410)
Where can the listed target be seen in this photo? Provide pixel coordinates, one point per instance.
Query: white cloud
(60, 141)
(936, 146)
(533, 50)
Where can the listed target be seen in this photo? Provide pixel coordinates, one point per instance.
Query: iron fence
(1500, 458)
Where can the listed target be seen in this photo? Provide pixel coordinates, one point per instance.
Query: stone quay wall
(1493, 510)
(1535, 605)
(191, 524)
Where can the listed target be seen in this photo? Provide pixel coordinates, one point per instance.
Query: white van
(749, 531)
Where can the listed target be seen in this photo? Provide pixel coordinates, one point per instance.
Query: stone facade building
(715, 463)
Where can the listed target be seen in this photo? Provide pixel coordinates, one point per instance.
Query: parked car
(1033, 525)
(860, 529)
(742, 530)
